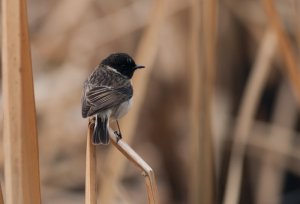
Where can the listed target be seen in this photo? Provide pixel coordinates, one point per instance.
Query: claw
(119, 135)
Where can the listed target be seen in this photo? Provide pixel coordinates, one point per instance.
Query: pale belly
(120, 111)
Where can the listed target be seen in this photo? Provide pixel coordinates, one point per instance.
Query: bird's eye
(129, 60)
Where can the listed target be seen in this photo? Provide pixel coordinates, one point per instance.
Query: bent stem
(147, 171)
(129, 153)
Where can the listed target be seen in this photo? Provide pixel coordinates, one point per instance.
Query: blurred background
(235, 125)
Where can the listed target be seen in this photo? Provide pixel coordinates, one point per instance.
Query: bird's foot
(119, 135)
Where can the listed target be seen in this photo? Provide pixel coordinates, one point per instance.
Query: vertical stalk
(1, 196)
(202, 59)
(195, 101)
(252, 93)
(91, 169)
(21, 160)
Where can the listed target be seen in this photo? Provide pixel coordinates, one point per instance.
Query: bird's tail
(100, 134)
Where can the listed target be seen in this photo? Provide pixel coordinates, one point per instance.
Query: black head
(122, 63)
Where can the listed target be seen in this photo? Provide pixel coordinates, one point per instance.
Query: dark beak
(139, 66)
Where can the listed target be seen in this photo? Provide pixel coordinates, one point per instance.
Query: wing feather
(102, 98)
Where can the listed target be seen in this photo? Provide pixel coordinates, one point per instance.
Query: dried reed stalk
(1, 196)
(130, 154)
(91, 169)
(285, 48)
(297, 25)
(255, 150)
(195, 101)
(91, 28)
(296, 5)
(21, 159)
(260, 145)
(61, 20)
(246, 113)
(208, 185)
(259, 141)
(271, 179)
(147, 171)
(203, 32)
(146, 52)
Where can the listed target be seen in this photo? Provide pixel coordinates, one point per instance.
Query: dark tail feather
(100, 134)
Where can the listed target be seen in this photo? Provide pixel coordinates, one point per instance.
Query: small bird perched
(107, 94)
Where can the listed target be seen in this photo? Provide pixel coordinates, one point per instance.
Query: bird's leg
(118, 133)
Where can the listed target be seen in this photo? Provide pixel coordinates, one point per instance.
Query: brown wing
(101, 98)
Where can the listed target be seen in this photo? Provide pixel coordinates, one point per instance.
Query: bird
(107, 94)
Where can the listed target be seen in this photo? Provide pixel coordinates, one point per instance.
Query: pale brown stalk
(202, 64)
(286, 51)
(130, 154)
(91, 169)
(21, 159)
(195, 182)
(1, 196)
(145, 169)
(259, 140)
(296, 5)
(271, 179)
(63, 19)
(208, 189)
(252, 93)
(138, 10)
(146, 53)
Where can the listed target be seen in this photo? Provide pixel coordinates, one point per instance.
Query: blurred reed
(75, 38)
(62, 23)
(195, 181)
(208, 67)
(21, 159)
(55, 30)
(296, 9)
(202, 64)
(286, 50)
(146, 52)
(250, 99)
(259, 144)
(271, 179)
